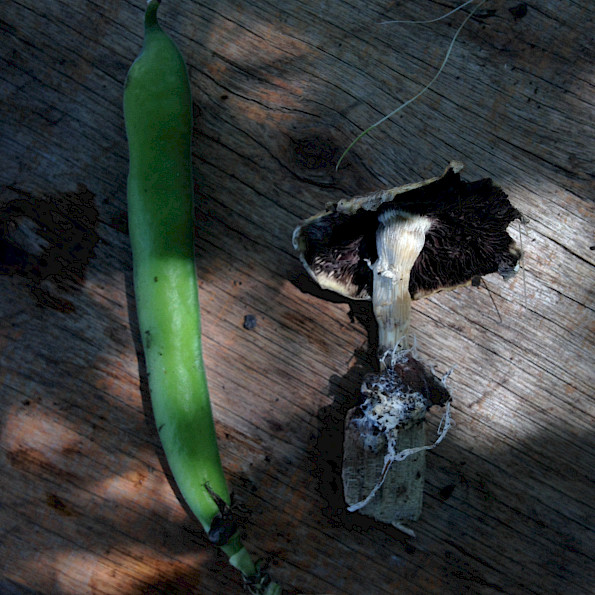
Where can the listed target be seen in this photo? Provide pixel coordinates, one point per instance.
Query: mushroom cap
(466, 240)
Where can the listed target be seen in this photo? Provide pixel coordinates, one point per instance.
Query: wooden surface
(280, 89)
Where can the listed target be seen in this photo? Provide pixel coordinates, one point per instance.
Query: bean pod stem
(158, 119)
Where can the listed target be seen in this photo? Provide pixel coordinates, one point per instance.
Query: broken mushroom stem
(400, 238)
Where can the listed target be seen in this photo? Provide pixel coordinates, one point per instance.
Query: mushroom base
(400, 497)
(385, 441)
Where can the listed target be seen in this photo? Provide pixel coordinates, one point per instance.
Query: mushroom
(392, 247)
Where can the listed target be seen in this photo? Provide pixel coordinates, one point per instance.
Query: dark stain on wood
(30, 460)
(447, 491)
(519, 11)
(48, 241)
(54, 501)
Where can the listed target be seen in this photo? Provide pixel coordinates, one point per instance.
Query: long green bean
(158, 118)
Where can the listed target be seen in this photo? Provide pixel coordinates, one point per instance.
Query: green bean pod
(158, 119)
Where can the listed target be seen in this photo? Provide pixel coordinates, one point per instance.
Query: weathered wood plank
(280, 89)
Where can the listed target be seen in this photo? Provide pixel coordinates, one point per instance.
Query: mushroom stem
(400, 238)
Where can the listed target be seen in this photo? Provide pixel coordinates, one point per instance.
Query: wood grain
(280, 89)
